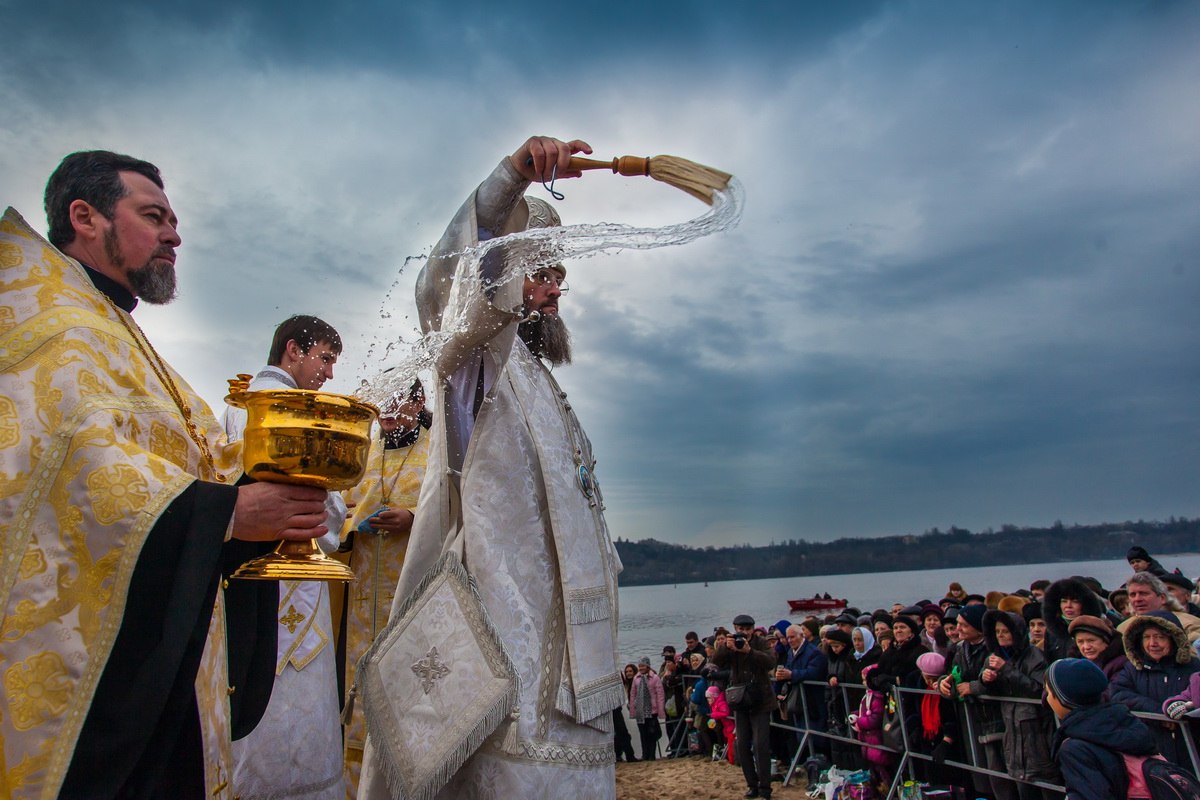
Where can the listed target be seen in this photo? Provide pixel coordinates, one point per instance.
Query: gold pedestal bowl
(307, 438)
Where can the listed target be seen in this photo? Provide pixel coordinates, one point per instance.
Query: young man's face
(310, 370)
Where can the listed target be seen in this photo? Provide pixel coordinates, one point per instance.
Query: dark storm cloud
(962, 292)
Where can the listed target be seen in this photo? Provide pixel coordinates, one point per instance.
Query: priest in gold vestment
(120, 511)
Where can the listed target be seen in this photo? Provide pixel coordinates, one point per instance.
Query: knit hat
(1094, 625)
(1137, 551)
(839, 635)
(644, 661)
(712, 691)
(973, 616)
(1032, 611)
(931, 663)
(1076, 682)
(782, 626)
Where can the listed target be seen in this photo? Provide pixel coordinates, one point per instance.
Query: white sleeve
(335, 517)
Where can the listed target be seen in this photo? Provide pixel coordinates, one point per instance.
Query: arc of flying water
(528, 251)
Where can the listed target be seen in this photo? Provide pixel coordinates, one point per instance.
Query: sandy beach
(691, 778)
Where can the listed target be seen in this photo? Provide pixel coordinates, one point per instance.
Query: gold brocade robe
(376, 561)
(93, 449)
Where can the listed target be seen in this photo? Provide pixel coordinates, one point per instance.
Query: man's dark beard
(153, 282)
(400, 437)
(547, 338)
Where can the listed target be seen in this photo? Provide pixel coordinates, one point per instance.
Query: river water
(653, 616)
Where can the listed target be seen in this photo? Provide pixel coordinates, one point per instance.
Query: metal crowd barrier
(907, 756)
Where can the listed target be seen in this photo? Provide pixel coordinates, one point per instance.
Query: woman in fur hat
(1160, 665)
(1065, 600)
(1017, 669)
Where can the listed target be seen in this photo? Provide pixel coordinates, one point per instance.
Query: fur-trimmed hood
(1068, 587)
(1133, 640)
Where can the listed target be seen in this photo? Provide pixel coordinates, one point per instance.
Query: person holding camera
(749, 659)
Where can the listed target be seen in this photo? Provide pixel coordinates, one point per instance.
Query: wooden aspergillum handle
(623, 165)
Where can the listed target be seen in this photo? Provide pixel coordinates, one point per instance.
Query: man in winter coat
(1160, 664)
(971, 657)
(749, 659)
(803, 661)
(1147, 594)
(1092, 734)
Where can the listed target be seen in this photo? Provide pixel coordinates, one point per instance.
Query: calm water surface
(652, 616)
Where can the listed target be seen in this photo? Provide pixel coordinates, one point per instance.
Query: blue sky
(963, 290)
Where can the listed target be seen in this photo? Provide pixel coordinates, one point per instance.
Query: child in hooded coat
(868, 724)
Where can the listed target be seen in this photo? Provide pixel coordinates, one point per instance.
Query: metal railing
(907, 756)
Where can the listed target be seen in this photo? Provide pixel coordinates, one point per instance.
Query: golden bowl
(304, 437)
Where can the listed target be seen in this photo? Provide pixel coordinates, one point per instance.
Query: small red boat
(818, 604)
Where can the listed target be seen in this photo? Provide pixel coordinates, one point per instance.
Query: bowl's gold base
(294, 561)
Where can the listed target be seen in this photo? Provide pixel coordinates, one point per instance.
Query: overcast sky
(964, 288)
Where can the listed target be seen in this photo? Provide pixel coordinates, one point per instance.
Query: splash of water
(530, 250)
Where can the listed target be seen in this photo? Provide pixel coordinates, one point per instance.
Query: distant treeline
(650, 561)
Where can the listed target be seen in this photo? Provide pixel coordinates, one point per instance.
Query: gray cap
(743, 619)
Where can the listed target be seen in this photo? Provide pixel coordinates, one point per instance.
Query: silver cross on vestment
(430, 670)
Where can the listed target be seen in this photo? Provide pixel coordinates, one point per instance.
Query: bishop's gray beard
(547, 338)
(153, 282)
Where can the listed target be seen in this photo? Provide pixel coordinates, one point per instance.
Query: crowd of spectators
(980, 659)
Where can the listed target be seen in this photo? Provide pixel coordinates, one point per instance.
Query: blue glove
(365, 526)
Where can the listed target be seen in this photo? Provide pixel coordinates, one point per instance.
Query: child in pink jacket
(869, 726)
(720, 715)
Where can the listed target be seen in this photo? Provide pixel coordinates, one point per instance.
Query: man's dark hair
(307, 331)
(92, 176)
(1042, 584)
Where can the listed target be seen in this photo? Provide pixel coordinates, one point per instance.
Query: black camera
(739, 640)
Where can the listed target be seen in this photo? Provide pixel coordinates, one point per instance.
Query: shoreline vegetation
(649, 562)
